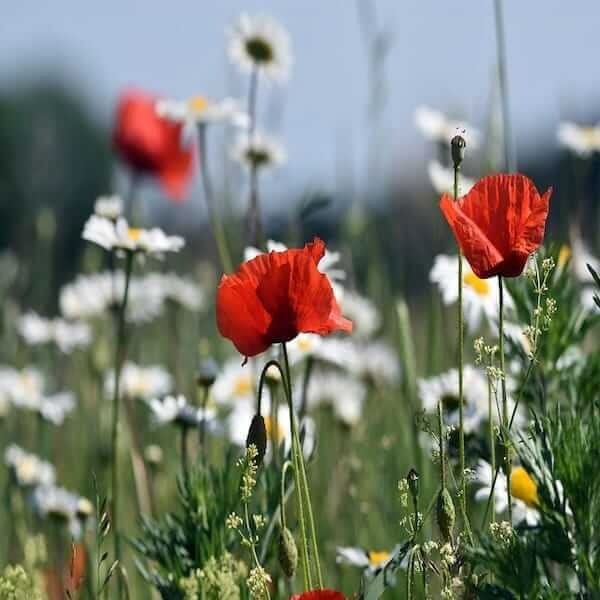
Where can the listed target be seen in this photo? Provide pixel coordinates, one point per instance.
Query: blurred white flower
(303, 346)
(444, 388)
(442, 179)
(28, 469)
(480, 296)
(367, 560)
(176, 409)
(345, 394)
(234, 384)
(260, 151)
(118, 235)
(380, 362)
(56, 407)
(259, 42)
(109, 207)
(177, 289)
(436, 126)
(199, 110)
(67, 335)
(523, 491)
(51, 501)
(362, 312)
(140, 382)
(582, 140)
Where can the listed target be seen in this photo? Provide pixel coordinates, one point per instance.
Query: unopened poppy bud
(457, 150)
(413, 483)
(257, 436)
(446, 515)
(207, 372)
(288, 552)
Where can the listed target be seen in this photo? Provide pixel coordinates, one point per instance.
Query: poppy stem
(461, 360)
(509, 158)
(213, 214)
(504, 396)
(492, 442)
(301, 478)
(120, 352)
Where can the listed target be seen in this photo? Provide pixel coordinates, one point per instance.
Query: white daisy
(27, 469)
(23, 388)
(367, 560)
(140, 382)
(180, 290)
(51, 501)
(259, 151)
(303, 346)
(259, 42)
(176, 409)
(234, 384)
(109, 207)
(362, 312)
(480, 296)
(345, 394)
(119, 236)
(436, 126)
(67, 335)
(523, 492)
(442, 179)
(582, 140)
(201, 110)
(56, 407)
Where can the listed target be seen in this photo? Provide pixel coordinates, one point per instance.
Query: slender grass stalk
(461, 361)
(442, 434)
(492, 442)
(214, 215)
(302, 480)
(202, 431)
(505, 421)
(509, 157)
(119, 361)
(184, 451)
(254, 225)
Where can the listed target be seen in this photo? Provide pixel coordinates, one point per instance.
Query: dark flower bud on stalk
(413, 484)
(257, 436)
(446, 515)
(207, 372)
(288, 552)
(457, 150)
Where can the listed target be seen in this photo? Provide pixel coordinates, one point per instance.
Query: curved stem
(504, 396)
(286, 465)
(213, 214)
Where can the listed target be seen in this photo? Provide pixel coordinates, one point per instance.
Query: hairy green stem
(492, 441)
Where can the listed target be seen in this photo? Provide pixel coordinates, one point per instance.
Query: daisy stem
(255, 233)
(504, 396)
(301, 479)
(461, 360)
(119, 360)
(509, 158)
(213, 214)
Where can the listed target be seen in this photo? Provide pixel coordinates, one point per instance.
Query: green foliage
(17, 584)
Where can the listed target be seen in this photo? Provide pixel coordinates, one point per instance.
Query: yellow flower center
(591, 135)
(480, 286)
(274, 430)
(564, 255)
(198, 104)
(242, 385)
(134, 234)
(305, 344)
(523, 487)
(378, 558)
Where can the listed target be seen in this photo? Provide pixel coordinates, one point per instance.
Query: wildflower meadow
(244, 409)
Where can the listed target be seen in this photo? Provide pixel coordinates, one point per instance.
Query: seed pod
(288, 552)
(446, 515)
(257, 435)
(207, 372)
(457, 150)
(413, 483)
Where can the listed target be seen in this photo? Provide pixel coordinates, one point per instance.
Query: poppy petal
(482, 255)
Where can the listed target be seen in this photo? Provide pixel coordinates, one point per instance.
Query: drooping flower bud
(288, 552)
(257, 436)
(457, 150)
(413, 483)
(446, 515)
(207, 372)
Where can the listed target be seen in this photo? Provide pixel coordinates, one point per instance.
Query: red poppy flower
(319, 595)
(152, 144)
(498, 224)
(274, 297)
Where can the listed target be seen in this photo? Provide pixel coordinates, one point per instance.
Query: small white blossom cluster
(67, 335)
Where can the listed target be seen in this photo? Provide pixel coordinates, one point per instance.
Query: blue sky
(443, 55)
